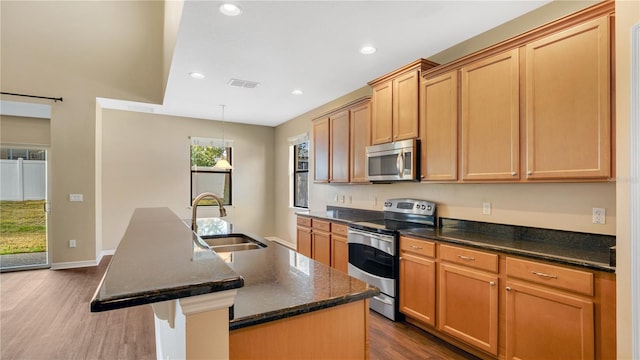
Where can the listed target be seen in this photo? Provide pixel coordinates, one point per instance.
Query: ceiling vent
(243, 83)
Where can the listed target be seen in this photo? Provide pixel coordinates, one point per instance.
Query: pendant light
(223, 163)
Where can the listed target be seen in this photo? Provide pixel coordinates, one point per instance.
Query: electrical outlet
(374, 201)
(335, 198)
(350, 199)
(72, 243)
(486, 208)
(342, 199)
(599, 216)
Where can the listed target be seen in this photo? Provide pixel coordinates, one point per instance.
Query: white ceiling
(307, 45)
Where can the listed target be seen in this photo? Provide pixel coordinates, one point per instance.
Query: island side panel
(339, 332)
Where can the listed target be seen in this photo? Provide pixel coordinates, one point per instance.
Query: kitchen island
(305, 309)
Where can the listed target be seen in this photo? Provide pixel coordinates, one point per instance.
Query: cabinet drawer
(472, 258)
(339, 229)
(421, 247)
(304, 221)
(550, 275)
(321, 225)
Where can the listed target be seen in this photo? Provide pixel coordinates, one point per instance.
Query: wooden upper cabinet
(490, 118)
(395, 103)
(382, 108)
(568, 111)
(339, 142)
(321, 150)
(439, 127)
(360, 122)
(405, 106)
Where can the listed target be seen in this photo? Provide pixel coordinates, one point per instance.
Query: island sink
(232, 242)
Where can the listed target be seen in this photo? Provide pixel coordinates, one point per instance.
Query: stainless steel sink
(234, 248)
(232, 243)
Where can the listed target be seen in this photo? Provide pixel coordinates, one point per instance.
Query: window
(300, 174)
(205, 177)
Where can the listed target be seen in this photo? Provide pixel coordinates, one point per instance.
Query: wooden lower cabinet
(498, 306)
(339, 247)
(468, 306)
(543, 323)
(418, 280)
(323, 241)
(303, 234)
(339, 332)
(321, 246)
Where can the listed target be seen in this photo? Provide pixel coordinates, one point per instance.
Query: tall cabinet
(568, 124)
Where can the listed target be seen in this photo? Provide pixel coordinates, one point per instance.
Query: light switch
(75, 197)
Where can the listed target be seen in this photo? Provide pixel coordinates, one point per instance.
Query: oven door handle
(385, 238)
(384, 301)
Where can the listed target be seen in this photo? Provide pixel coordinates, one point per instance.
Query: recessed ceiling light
(297, 92)
(367, 50)
(230, 9)
(196, 75)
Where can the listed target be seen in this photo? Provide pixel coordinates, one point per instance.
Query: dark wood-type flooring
(44, 314)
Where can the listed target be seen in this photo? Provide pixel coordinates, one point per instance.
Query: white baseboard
(79, 264)
(281, 242)
(73, 264)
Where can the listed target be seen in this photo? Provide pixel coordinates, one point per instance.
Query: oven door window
(371, 260)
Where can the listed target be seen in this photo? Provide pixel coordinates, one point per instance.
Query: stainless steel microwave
(396, 161)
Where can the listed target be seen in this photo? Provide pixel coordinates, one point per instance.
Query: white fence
(23, 180)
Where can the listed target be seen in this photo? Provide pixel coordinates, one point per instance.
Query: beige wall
(627, 15)
(72, 49)
(24, 130)
(145, 163)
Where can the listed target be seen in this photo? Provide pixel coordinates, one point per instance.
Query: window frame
(294, 144)
(195, 169)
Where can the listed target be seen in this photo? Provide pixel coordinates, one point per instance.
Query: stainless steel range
(373, 248)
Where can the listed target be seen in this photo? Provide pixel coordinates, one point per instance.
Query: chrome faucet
(194, 205)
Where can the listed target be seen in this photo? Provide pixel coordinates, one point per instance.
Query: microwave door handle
(400, 163)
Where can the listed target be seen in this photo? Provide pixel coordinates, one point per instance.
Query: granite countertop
(159, 259)
(563, 247)
(279, 282)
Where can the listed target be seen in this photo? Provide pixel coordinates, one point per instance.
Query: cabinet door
(382, 113)
(322, 247)
(406, 106)
(439, 127)
(418, 288)
(360, 120)
(339, 142)
(490, 118)
(321, 150)
(304, 241)
(547, 324)
(468, 306)
(568, 125)
(339, 253)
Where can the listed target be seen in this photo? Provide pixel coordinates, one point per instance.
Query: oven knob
(429, 207)
(423, 207)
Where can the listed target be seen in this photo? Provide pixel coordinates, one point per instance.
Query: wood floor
(44, 314)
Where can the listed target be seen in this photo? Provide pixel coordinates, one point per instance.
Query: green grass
(22, 227)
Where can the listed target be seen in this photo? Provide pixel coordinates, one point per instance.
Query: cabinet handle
(508, 288)
(466, 258)
(513, 173)
(492, 283)
(545, 275)
(416, 247)
(529, 172)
